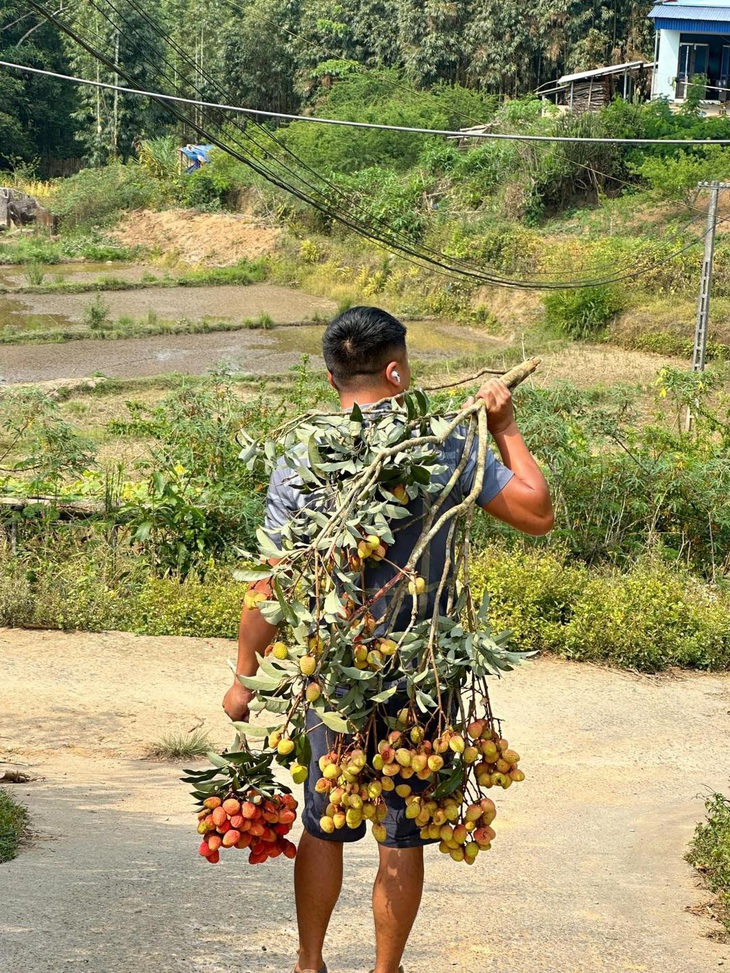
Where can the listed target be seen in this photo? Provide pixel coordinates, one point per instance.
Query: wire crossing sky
(258, 147)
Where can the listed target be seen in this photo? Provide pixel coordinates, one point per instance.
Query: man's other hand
(235, 702)
(500, 410)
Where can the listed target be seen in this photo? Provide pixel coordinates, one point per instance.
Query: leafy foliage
(584, 312)
(13, 820)
(710, 852)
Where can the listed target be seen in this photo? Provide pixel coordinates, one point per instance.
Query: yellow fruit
(417, 587)
(285, 747)
(327, 824)
(280, 651)
(353, 818)
(314, 691)
(379, 832)
(373, 541)
(307, 665)
(403, 790)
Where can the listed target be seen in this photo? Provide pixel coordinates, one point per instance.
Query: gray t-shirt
(285, 499)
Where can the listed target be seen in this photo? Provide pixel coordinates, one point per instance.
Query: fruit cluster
(462, 835)
(478, 758)
(247, 821)
(352, 797)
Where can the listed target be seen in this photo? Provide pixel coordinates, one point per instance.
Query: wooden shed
(591, 90)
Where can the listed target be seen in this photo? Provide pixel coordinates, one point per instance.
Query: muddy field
(285, 305)
(255, 351)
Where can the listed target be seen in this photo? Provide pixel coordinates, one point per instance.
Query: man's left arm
(254, 634)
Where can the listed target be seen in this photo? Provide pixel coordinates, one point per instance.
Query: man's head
(365, 353)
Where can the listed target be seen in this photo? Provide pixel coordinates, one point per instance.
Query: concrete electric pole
(703, 306)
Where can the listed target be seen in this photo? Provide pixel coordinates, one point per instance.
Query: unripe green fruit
(299, 773)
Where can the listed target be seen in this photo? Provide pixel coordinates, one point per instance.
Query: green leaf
(363, 675)
(332, 603)
(334, 721)
(451, 783)
(315, 457)
(217, 760)
(252, 574)
(385, 695)
(259, 683)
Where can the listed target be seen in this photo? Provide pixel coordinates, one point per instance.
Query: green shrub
(650, 617)
(95, 314)
(13, 820)
(583, 312)
(94, 197)
(710, 852)
(531, 593)
(168, 606)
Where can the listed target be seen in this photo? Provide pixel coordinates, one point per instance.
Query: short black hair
(361, 341)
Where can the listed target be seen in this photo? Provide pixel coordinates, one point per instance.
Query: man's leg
(396, 898)
(317, 884)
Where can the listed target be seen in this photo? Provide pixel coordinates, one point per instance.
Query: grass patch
(13, 821)
(244, 273)
(30, 249)
(710, 854)
(96, 325)
(180, 746)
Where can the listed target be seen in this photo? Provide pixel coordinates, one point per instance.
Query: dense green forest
(281, 55)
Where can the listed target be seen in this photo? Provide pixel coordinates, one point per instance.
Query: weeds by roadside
(180, 746)
(710, 854)
(13, 821)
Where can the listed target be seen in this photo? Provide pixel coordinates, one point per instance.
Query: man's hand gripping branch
(254, 634)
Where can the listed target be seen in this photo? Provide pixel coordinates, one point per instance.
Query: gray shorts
(402, 832)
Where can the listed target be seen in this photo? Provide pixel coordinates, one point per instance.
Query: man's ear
(331, 380)
(394, 376)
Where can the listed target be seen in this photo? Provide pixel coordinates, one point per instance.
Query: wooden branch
(69, 508)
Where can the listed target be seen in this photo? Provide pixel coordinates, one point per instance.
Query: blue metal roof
(694, 20)
(676, 11)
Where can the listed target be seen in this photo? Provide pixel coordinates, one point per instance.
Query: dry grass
(180, 746)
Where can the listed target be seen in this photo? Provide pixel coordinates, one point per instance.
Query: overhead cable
(345, 123)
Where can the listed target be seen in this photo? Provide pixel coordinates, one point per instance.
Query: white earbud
(395, 374)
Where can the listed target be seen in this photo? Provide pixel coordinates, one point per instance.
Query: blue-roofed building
(693, 38)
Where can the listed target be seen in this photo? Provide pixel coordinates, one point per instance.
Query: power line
(345, 123)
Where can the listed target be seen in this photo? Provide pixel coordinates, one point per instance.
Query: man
(367, 361)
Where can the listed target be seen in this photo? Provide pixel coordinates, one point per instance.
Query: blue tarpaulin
(198, 155)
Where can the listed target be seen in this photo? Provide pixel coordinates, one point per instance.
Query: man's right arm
(254, 634)
(524, 503)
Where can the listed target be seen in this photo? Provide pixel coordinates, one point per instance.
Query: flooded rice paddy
(253, 351)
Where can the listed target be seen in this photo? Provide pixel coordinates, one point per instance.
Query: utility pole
(703, 306)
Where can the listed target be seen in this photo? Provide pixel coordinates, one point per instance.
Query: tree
(35, 112)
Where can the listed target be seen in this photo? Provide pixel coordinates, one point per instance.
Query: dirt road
(586, 874)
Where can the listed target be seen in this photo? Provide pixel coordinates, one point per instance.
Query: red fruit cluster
(248, 821)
